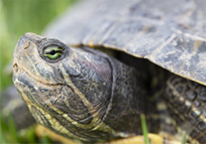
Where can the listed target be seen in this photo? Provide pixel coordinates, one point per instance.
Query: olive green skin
(168, 33)
(84, 94)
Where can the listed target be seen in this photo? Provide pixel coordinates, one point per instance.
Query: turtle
(154, 66)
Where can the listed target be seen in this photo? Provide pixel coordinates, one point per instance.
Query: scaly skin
(86, 95)
(187, 106)
(83, 94)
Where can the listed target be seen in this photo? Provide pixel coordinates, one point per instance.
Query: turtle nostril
(15, 67)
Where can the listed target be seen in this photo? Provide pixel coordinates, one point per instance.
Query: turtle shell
(171, 34)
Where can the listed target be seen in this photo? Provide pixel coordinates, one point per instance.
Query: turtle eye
(52, 52)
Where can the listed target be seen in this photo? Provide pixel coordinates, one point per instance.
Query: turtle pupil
(52, 52)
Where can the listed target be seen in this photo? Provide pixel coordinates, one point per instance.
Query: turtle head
(77, 92)
(66, 89)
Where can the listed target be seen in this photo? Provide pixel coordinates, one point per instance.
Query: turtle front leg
(187, 107)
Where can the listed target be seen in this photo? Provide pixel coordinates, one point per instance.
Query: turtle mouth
(18, 70)
(31, 90)
(24, 81)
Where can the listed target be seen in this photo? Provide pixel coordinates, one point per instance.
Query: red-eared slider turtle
(84, 94)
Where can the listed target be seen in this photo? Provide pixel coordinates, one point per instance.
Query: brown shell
(171, 34)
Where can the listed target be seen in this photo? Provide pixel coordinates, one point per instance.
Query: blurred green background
(16, 18)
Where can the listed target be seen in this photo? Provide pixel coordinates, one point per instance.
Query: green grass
(16, 18)
(183, 141)
(144, 129)
(9, 134)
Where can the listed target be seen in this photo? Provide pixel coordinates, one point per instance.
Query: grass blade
(183, 138)
(144, 129)
(12, 129)
(2, 135)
